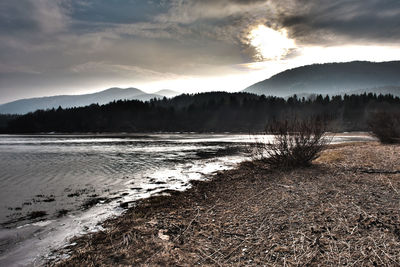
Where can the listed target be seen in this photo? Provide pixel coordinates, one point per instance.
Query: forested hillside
(333, 79)
(205, 112)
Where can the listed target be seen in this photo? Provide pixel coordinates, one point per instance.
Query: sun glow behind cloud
(269, 43)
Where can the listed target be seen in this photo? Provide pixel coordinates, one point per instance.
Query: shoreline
(134, 134)
(251, 215)
(31, 242)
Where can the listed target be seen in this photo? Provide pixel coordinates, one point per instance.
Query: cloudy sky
(50, 47)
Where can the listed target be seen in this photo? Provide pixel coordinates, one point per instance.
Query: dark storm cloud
(14, 17)
(115, 11)
(338, 21)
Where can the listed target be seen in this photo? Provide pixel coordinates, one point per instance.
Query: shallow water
(56, 186)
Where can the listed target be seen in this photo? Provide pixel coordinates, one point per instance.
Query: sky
(53, 47)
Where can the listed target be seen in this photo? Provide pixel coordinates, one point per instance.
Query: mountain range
(332, 79)
(67, 101)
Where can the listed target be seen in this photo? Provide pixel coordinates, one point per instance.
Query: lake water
(56, 186)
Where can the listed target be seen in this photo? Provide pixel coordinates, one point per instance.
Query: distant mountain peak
(23, 106)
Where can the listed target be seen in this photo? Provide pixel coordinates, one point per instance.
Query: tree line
(203, 112)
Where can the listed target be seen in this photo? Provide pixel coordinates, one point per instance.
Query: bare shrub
(295, 143)
(385, 126)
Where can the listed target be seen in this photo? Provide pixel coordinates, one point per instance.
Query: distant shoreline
(111, 134)
(343, 209)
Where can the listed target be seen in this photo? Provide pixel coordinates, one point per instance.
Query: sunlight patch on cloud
(269, 43)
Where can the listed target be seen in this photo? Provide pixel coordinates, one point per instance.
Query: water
(56, 186)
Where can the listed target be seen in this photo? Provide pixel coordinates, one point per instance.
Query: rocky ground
(344, 210)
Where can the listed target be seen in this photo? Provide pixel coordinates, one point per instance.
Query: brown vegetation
(296, 143)
(385, 126)
(344, 210)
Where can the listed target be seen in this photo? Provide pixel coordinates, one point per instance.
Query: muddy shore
(344, 210)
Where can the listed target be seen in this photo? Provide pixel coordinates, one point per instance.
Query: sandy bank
(345, 210)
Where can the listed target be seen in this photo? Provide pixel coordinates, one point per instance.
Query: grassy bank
(344, 210)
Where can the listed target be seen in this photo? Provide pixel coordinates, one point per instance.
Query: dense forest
(204, 112)
(4, 119)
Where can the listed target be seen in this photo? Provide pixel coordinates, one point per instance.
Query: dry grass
(334, 213)
(329, 156)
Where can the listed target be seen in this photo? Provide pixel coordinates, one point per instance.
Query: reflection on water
(48, 181)
(57, 173)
